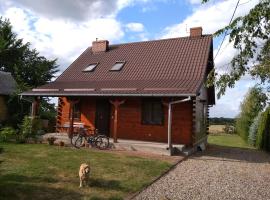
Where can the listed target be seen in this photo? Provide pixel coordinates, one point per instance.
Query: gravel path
(218, 173)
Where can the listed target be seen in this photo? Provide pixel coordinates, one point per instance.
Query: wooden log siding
(129, 121)
(131, 127)
(72, 102)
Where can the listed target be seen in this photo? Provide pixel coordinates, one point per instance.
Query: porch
(158, 148)
(133, 123)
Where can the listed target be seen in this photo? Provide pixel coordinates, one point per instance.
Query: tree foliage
(253, 129)
(28, 68)
(263, 134)
(25, 64)
(253, 103)
(250, 36)
(221, 121)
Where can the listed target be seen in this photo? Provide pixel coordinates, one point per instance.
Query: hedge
(263, 134)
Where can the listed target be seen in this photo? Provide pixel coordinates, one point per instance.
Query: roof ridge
(164, 39)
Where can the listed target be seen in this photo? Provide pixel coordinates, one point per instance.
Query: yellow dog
(84, 172)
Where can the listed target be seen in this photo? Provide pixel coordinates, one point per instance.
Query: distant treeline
(221, 121)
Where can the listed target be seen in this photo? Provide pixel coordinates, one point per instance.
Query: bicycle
(93, 139)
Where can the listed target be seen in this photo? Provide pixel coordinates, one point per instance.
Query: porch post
(170, 127)
(35, 107)
(116, 103)
(71, 119)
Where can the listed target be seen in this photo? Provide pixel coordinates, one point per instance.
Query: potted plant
(51, 140)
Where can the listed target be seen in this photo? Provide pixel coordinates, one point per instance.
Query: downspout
(170, 147)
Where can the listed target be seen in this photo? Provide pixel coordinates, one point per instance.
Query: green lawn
(227, 140)
(39, 171)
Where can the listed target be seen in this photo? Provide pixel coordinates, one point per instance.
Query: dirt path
(218, 173)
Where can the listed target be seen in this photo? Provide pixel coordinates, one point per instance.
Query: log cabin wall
(3, 108)
(200, 115)
(130, 124)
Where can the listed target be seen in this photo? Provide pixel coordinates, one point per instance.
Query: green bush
(253, 103)
(229, 129)
(253, 129)
(8, 134)
(30, 127)
(263, 134)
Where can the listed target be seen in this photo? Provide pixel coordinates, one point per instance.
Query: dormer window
(91, 67)
(118, 66)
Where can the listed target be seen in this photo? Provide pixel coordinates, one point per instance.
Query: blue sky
(63, 29)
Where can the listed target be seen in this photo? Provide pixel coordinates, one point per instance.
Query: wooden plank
(116, 103)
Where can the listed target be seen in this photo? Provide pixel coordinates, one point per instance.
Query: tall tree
(253, 103)
(250, 35)
(11, 48)
(28, 68)
(25, 64)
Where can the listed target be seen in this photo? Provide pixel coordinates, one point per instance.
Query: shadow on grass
(106, 184)
(22, 187)
(233, 154)
(1, 150)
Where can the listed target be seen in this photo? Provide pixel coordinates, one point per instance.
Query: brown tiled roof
(172, 67)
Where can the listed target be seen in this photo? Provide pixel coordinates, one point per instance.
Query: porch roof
(118, 88)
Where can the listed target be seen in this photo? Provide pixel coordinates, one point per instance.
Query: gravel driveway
(218, 173)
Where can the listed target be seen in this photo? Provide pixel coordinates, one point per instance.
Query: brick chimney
(100, 46)
(196, 32)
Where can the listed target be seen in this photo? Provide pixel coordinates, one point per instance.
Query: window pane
(152, 112)
(117, 66)
(90, 67)
(77, 111)
(146, 112)
(157, 113)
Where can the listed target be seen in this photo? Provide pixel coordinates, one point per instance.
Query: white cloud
(135, 27)
(229, 104)
(70, 9)
(63, 30)
(59, 38)
(211, 16)
(195, 1)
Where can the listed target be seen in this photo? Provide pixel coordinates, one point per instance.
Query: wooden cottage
(150, 91)
(7, 87)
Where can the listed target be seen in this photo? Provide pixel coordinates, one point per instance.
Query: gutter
(104, 95)
(170, 147)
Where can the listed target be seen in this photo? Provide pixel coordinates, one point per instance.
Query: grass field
(229, 140)
(216, 129)
(39, 171)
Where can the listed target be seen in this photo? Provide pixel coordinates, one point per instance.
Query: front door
(103, 117)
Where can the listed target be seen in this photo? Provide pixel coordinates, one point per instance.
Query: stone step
(148, 147)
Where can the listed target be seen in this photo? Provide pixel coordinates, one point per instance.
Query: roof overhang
(44, 94)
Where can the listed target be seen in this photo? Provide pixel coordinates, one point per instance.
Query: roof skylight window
(90, 67)
(117, 66)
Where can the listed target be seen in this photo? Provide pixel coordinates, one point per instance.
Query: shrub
(228, 129)
(30, 127)
(8, 134)
(253, 103)
(253, 129)
(51, 140)
(263, 134)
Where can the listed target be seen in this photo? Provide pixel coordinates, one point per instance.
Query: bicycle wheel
(102, 142)
(79, 142)
(74, 138)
